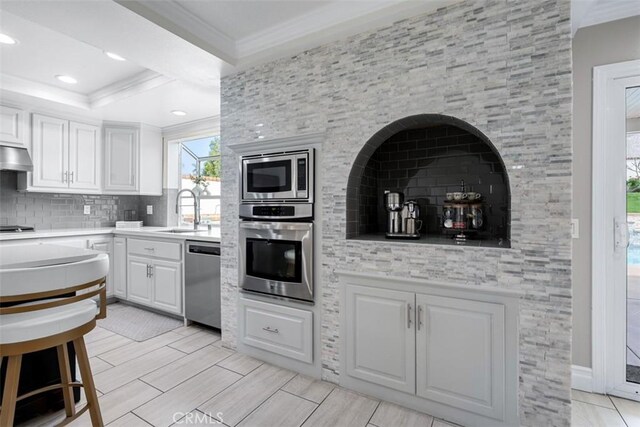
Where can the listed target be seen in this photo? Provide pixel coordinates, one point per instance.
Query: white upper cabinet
(85, 164)
(133, 159)
(12, 127)
(150, 160)
(66, 155)
(50, 152)
(121, 159)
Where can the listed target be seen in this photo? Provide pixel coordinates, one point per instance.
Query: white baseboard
(581, 378)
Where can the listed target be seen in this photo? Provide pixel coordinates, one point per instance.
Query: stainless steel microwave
(280, 176)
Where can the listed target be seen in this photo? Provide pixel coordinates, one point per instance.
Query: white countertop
(156, 232)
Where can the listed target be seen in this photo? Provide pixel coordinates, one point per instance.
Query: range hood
(15, 159)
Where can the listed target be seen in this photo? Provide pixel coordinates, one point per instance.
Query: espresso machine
(403, 218)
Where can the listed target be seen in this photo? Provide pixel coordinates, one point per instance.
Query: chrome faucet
(196, 207)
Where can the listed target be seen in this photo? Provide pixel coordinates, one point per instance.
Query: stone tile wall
(502, 66)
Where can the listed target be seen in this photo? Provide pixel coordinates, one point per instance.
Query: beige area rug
(137, 324)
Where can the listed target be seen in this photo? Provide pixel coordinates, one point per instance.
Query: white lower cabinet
(139, 280)
(153, 280)
(381, 336)
(447, 350)
(120, 267)
(166, 277)
(105, 245)
(282, 330)
(460, 353)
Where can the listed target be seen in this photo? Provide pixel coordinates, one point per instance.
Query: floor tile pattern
(168, 380)
(184, 377)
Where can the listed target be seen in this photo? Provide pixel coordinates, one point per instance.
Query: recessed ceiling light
(5, 39)
(261, 137)
(114, 56)
(259, 125)
(66, 79)
(179, 113)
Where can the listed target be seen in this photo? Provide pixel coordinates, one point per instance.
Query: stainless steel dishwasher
(202, 282)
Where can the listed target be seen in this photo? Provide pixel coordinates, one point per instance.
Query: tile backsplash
(46, 211)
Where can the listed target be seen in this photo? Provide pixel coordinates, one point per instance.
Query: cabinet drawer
(154, 248)
(283, 330)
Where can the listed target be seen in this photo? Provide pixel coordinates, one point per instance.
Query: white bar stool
(42, 316)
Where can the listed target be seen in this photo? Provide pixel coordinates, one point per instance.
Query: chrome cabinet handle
(268, 329)
(408, 315)
(419, 316)
(71, 179)
(151, 271)
(147, 270)
(150, 249)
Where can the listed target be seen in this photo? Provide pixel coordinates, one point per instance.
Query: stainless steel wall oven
(276, 258)
(276, 227)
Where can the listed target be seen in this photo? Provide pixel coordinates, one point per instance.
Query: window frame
(182, 148)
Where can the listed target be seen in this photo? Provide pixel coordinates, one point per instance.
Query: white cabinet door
(105, 246)
(85, 156)
(12, 126)
(151, 149)
(120, 267)
(381, 337)
(121, 159)
(50, 152)
(282, 330)
(460, 354)
(138, 279)
(167, 286)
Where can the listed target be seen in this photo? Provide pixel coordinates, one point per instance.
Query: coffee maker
(394, 203)
(403, 218)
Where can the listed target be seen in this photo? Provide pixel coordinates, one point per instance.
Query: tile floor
(178, 377)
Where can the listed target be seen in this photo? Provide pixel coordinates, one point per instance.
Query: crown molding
(344, 18)
(596, 12)
(174, 18)
(127, 87)
(193, 129)
(43, 91)
(294, 35)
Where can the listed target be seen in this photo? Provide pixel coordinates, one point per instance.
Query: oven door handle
(276, 226)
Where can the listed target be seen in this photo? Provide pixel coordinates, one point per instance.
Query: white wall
(608, 43)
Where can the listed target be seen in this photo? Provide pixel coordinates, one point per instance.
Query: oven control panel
(273, 211)
(276, 211)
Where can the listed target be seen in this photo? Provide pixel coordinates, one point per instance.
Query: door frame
(609, 230)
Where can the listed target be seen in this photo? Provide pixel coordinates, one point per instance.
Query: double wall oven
(276, 224)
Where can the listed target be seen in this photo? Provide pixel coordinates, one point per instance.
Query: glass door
(632, 134)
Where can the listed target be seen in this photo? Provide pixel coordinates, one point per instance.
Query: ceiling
(162, 72)
(177, 50)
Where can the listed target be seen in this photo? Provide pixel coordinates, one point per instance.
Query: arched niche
(425, 156)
